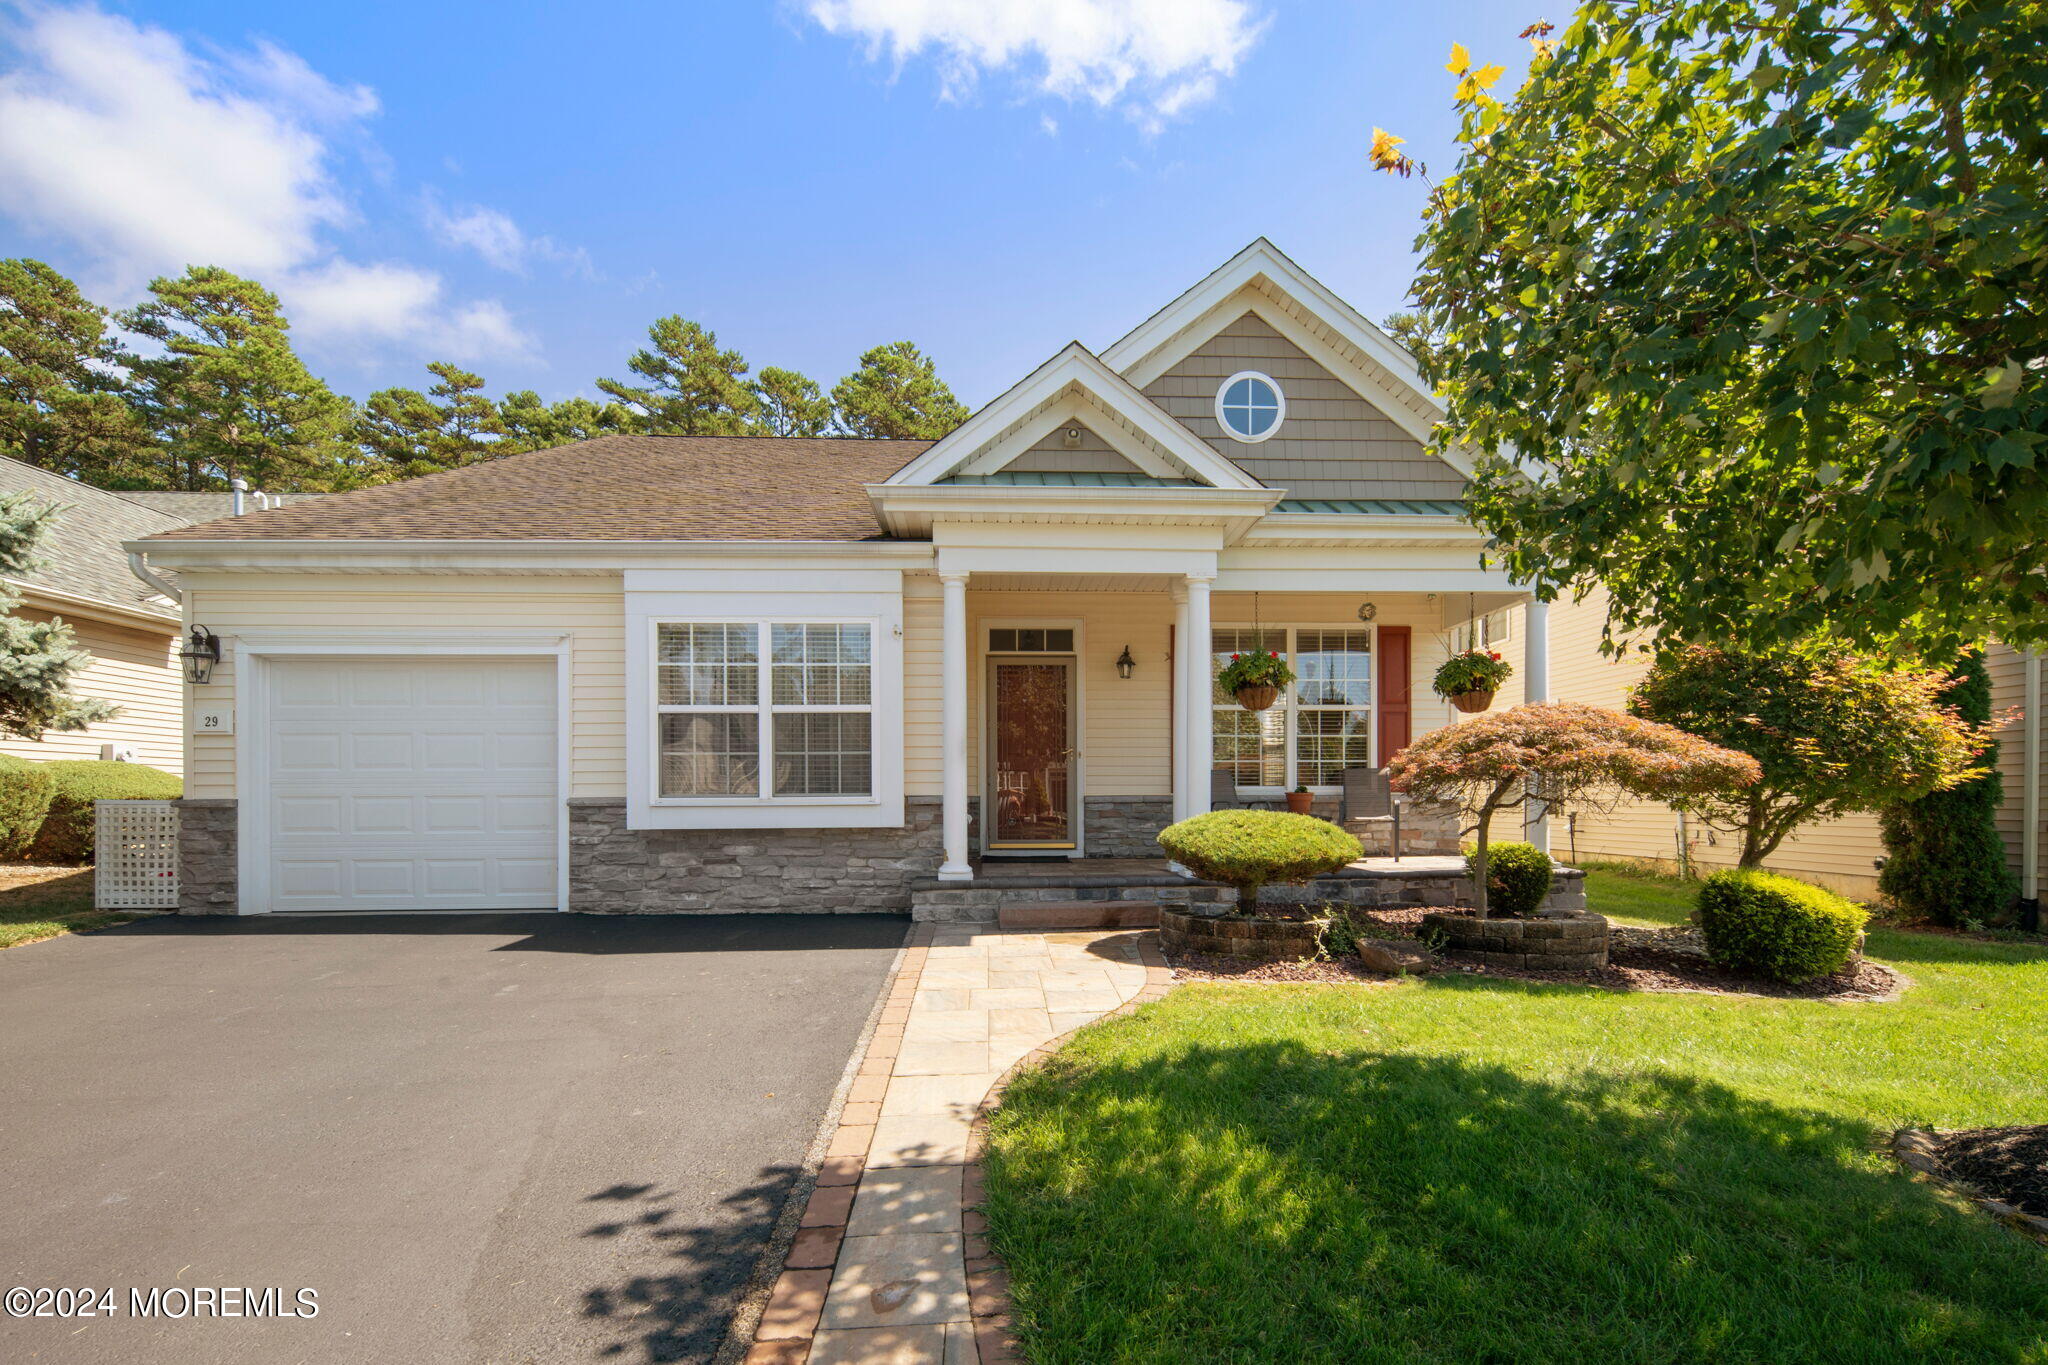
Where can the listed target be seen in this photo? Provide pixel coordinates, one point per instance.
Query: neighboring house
(1841, 853)
(664, 674)
(130, 630)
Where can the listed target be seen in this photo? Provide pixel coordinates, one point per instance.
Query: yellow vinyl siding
(1836, 853)
(137, 669)
(2008, 670)
(589, 610)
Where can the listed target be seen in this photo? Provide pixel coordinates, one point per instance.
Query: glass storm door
(1032, 759)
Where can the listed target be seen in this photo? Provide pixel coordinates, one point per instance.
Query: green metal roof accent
(1033, 478)
(1375, 507)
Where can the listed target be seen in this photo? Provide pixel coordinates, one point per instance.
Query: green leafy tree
(227, 396)
(39, 660)
(791, 404)
(1834, 733)
(692, 387)
(1753, 288)
(1564, 755)
(60, 402)
(896, 392)
(1944, 860)
(1413, 332)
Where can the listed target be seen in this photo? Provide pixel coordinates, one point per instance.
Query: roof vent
(1071, 438)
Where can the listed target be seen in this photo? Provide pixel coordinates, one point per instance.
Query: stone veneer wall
(616, 870)
(1125, 826)
(206, 856)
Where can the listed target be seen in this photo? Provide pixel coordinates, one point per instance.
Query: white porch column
(953, 755)
(1536, 687)
(1179, 721)
(1198, 750)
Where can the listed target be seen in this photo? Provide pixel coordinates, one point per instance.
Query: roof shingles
(609, 488)
(81, 552)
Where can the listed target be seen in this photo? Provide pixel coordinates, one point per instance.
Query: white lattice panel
(135, 855)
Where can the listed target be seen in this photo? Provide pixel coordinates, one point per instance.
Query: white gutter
(138, 564)
(42, 596)
(2030, 801)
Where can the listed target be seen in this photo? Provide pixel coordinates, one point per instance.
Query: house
(1843, 853)
(130, 629)
(660, 674)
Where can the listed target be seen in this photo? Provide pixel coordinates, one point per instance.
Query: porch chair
(1223, 792)
(1369, 795)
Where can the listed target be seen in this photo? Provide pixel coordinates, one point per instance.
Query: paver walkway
(890, 1265)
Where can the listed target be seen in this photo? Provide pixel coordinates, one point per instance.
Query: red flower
(1235, 657)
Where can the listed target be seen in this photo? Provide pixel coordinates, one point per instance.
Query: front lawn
(43, 902)
(1464, 1169)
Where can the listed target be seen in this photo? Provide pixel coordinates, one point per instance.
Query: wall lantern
(1125, 664)
(201, 653)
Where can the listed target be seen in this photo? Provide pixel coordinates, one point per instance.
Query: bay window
(1319, 726)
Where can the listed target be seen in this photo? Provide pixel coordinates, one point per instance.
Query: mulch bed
(2006, 1163)
(1673, 959)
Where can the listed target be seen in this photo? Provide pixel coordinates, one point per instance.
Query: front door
(1033, 764)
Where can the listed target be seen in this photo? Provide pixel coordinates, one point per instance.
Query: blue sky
(524, 187)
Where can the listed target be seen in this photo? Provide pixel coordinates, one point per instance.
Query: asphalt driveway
(502, 1138)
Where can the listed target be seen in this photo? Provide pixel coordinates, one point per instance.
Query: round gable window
(1250, 406)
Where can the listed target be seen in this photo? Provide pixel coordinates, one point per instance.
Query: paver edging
(988, 1284)
(780, 1332)
(1919, 1151)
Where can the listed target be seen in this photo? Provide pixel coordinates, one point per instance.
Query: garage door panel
(413, 784)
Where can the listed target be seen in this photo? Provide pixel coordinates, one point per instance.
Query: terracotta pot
(1472, 702)
(1301, 803)
(1257, 698)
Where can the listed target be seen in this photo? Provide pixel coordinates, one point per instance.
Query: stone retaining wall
(1265, 940)
(1569, 943)
(207, 851)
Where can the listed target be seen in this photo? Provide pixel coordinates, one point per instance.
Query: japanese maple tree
(1565, 755)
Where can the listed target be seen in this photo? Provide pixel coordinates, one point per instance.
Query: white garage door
(412, 784)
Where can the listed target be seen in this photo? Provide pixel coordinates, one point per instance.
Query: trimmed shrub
(25, 791)
(1517, 878)
(1249, 849)
(1944, 860)
(1776, 927)
(66, 835)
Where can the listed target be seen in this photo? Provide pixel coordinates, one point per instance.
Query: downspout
(139, 566)
(2030, 802)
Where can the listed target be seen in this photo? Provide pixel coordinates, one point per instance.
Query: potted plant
(1300, 801)
(1469, 678)
(1255, 678)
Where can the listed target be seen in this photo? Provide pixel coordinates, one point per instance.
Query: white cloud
(1153, 58)
(151, 156)
(493, 236)
(343, 302)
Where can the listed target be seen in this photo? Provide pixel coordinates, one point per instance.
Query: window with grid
(1252, 744)
(1318, 728)
(1333, 704)
(806, 720)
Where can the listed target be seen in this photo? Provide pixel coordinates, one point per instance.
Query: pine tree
(693, 388)
(792, 404)
(38, 659)
(530, 424)
(896, 392)
(60, 403)
(228, 397)
(409, 433)
(1944, 860)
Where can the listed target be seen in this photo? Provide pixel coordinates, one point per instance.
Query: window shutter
(1396, 727)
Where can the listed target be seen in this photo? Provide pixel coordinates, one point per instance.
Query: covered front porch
(1074, 723)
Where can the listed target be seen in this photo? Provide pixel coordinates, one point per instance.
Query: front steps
(1080, 915)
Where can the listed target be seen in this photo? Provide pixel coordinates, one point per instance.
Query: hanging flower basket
(1469, 679)
(1255, 679)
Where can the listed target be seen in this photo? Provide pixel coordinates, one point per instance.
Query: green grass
(62, 904)
(1463, 1169)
